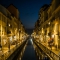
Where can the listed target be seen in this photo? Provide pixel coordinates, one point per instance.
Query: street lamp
(49, 23)
(0, 44)
(19, 35)
(9, 25)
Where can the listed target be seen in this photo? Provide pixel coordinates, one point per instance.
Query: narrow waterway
(29, 53)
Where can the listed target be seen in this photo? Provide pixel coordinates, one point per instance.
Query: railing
(18, 50)
(7, 54)
(47, 51)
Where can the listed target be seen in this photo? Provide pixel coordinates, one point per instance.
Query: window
(0, 16)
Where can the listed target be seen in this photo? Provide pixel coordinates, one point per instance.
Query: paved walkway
(54, 50)
(5, 52)
(5, 49)
(29, 53)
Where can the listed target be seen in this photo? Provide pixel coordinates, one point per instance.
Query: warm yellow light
(19, 29)
(9, 24)
(11, 38)
(14, 37)
(52, 36)
(49, 23)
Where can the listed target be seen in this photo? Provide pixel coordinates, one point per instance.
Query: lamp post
(1, 37)
(0, 41)
(9, 41)
(19, 35)
(9, 44)
(15, 40)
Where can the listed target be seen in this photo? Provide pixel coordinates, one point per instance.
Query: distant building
(13, 10)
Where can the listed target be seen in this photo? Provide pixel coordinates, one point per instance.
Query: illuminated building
(49, 18)
(9, 26)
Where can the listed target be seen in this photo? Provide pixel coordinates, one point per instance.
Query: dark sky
(28, 9)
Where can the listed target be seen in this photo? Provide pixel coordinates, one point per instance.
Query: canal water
(29, 53)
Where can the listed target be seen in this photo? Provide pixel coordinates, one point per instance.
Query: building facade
(49, 23)
(10, 26)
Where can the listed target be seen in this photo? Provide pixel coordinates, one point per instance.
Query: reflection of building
(9, 25)
(49, 17)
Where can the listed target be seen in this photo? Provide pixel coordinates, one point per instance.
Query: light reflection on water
(31, 40)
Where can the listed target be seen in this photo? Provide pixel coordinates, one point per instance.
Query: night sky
(28, 9)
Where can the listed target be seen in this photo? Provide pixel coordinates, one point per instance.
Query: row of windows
(3, 29)
(3, 18)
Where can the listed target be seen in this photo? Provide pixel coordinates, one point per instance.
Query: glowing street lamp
(49, 23)
(9, 25)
